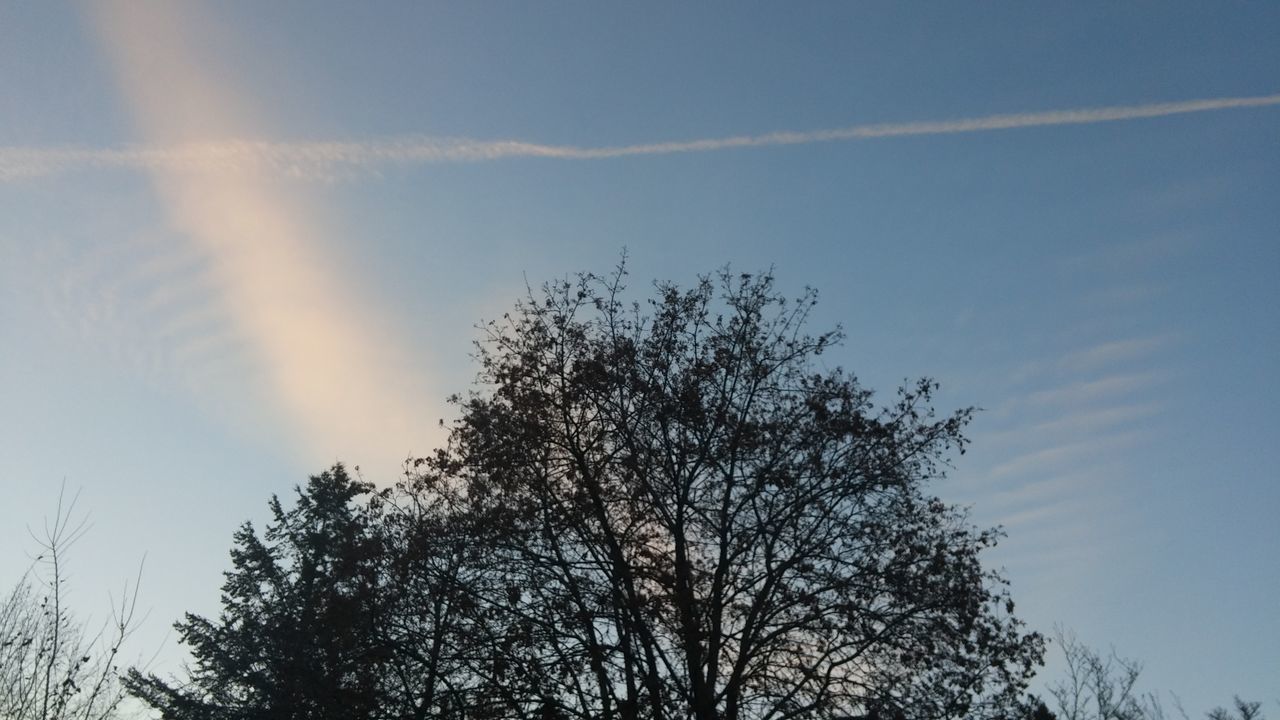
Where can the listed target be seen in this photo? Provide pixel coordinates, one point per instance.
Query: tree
(436, 629)
(1105, 687)
(1040, 711)
(682, 515)
(52, 666)
(1244, 710)
(300, 634)
(1100, 687)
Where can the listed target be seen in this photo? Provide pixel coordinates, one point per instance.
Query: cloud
(1115, 351)
(1126, 256)
(1059, 461)
(332, 370)
(1101, 389)
(1092, 358)
(1087, 480)
(1122, 297)
(1086, 422)
(327, 160)
(1048, 460)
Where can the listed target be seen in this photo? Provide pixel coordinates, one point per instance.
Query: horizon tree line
(644, 511)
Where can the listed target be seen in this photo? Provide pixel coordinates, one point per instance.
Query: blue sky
(239, 241)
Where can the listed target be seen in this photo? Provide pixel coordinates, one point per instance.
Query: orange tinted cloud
(346, 389)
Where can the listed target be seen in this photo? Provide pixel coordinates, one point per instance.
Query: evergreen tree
(299, 634)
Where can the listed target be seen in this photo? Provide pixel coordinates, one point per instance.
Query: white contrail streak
(327, 159)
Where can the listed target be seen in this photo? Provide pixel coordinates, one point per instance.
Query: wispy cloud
(1049, 460)
(1125, 256)
(1087, 481)
(330, 159)
(1114, 351)
(1091, 358)
(1060, 457)
(341, 384)
(1086, 422)
(1099, 390)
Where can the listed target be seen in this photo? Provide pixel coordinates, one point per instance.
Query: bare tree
(53, 667)
(1095, 686)
(682, 516)
(1244, 710)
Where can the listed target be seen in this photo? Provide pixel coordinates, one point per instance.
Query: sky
(240, 241)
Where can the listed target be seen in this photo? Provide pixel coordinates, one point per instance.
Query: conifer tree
(299, 633)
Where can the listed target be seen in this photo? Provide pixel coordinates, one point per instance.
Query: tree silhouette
(1244, 710)
(682, 516)
(1042, 711)
(1097, 686)
(642, 513)
(52, 666)
(300, 634)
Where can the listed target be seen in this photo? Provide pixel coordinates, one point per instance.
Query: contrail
(330, 159)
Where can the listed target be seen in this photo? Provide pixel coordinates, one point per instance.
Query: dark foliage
(683, 516)
(1042, 712)
(643, 512)
(300, 635)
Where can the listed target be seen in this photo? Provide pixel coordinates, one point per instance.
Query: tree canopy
(643, 511)
(299, 634)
